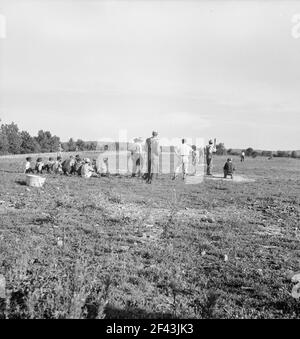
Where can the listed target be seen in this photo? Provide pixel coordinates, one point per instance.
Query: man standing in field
(152, 147)
(210, 149)
(243, 156)
(137, 157)
(183, 151)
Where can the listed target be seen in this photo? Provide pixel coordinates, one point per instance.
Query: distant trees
(71, 145)
(91, 146)
(295, 154)
(14, 141)
(283, 154)
(231, 151)
(80, 144)
(220, 149)
(11, 131)
(29, 144)
(4, 144)
(47, 142)
(267, 154)
(249, 151)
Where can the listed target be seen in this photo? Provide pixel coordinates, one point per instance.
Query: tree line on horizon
(14, 141)
(250, 152)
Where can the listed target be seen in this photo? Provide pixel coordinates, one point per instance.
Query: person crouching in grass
(87, 170)
(28, 168)
(68, 165)
(228, 168)
(49, 165)
(78, 165)
(39, 166)
(57, 167)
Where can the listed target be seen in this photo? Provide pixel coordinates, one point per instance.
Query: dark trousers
(147, 176)
(209, 165)
(226, 173)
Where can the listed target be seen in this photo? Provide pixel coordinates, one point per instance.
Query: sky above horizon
(198, 69)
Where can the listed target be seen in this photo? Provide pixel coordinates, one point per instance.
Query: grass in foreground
(118, 248)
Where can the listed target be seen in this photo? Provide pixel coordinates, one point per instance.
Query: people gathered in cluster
(70, 166)
(145, 158)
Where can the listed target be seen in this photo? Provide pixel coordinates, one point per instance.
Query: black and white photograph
(149, 162)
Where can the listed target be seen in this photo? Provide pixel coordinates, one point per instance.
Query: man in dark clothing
(146, 176)
(209, 150)
(228, 168)
(153, 150)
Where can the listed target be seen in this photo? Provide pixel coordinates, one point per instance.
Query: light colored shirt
(155, 146)
(137, 148)
(104, 166)
(184, 150)
(86, 170)
(210, 149)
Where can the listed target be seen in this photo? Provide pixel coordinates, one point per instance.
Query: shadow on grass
(112, 312)
(21, 182)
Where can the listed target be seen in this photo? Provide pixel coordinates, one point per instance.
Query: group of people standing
(146, 158)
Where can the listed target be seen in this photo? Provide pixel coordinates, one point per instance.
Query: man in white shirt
(184, 151)
(137, 157)
(243, 156)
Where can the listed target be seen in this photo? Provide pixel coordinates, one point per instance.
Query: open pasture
(119, 248)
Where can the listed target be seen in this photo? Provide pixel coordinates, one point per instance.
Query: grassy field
(119, 248)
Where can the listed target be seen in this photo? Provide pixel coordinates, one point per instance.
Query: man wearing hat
(210, 149)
